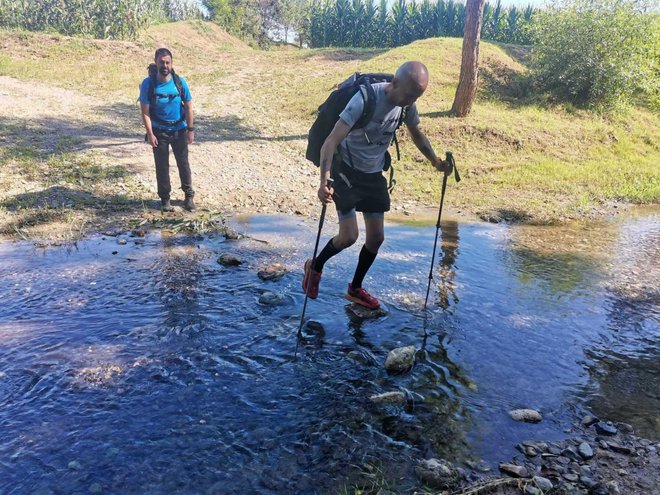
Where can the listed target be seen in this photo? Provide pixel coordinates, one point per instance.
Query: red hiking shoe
(362, 297)
(312, 279)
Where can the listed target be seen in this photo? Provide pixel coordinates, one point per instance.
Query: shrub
(597, 53)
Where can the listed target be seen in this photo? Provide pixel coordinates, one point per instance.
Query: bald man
(359, 184)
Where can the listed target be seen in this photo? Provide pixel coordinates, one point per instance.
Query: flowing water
(147, 367)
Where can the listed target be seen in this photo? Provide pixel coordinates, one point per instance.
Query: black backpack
(335, 103)
(153, 72)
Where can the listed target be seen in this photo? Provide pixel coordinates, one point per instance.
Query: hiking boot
(165, 205)
(312, 279)
(362, 297)
(189, 203)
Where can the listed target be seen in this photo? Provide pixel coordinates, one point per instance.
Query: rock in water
(400, 360)
(398, 398)
(365, 313)
(438, 473)
(313, 327)
(271, 298)
(228, 259)
(272, 272)
(526, 415)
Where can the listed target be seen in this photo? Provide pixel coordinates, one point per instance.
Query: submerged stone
(526, 415)
(400, 360)
(228, 259)
(398, 398)
(271, 298)
(438, 473)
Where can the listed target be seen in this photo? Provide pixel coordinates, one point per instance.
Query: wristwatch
(190, 129)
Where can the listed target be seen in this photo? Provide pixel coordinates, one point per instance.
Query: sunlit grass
(534, 160)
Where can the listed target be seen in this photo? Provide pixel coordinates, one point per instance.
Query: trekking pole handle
(450, 158)
(330, 183)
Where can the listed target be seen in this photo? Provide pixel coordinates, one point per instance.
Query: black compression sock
(364, 263)
(328, 252)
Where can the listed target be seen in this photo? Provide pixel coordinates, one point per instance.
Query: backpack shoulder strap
(369, 98)
(178, 84)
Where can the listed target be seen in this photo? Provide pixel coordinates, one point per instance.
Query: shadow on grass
(31, 139)
(49, 205)
(436, 115)
(208, 129)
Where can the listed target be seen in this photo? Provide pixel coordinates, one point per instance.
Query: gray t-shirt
(369, 144)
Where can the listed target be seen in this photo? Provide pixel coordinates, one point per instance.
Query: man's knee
(374, 241)
(346, 239)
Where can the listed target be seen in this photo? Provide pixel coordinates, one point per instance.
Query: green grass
(521, 158)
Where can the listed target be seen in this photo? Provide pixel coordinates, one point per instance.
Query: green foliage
(116, 19)
(598, 54)
(360, 23)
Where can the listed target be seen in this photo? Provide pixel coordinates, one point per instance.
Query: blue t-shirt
(165, 108)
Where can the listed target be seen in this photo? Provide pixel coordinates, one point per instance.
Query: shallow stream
(147, 367)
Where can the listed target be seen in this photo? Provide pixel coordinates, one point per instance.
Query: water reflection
(447, 285)
(625, 364)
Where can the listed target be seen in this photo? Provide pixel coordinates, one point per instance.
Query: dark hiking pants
(179, 142)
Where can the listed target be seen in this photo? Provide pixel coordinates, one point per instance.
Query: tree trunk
(467, 82)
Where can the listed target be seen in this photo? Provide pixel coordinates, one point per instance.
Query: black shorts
(360, 191)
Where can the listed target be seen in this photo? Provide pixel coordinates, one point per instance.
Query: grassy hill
(521, 159)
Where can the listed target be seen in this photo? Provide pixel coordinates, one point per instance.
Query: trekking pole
(452, 167)
(316, 247)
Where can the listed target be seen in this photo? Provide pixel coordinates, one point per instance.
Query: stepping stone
(365, 313)
(274, 271)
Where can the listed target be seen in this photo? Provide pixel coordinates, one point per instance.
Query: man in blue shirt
(168, 117)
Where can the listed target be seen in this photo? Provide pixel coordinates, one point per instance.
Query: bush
(597, 53)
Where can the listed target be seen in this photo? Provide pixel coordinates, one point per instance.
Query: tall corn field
(115, 19)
